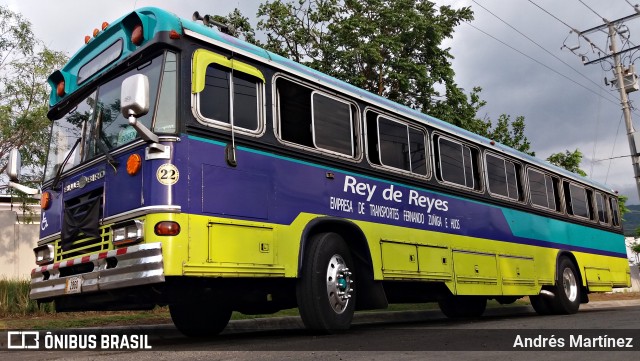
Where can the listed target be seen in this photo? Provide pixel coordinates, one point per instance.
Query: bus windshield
(97, 118)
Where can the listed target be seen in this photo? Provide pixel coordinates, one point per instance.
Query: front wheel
(541, 305)
(325, 291)
(200, 319)
(463, 306)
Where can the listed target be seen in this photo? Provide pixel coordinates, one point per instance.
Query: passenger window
(332, 124)
(457, 163)
(615, 215)
(543, 190)
(314, 119)
(576, 199)
(220, 87)
(603, 215)
(502, 177)
(396, 144)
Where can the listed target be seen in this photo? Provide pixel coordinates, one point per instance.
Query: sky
(512, 49)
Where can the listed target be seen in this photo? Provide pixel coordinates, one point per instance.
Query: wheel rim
(339, 284)
(570, 285)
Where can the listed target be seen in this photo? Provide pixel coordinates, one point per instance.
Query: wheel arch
(371, 293)
(350, 232)
(584, 297)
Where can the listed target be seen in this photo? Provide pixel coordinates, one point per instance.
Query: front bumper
(124, 267)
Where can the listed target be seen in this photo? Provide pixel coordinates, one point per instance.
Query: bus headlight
(44, 254)
(127, 232)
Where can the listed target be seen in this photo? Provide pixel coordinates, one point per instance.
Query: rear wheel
(463, 306)
(200, 319)
(567, 288)
(541, 305)
(325, 290)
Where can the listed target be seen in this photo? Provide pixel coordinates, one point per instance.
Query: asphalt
(365, 318)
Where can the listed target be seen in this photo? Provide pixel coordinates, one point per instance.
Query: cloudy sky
(512, 50)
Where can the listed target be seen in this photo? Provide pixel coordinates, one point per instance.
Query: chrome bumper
(134, 266)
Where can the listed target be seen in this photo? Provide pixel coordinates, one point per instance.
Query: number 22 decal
(167, 174)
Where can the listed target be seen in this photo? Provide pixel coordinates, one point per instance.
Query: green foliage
(239, 26)
(568, 160)
(390, 48)
(635, 248)
(622, 205)
(24, 67)
(14, 299)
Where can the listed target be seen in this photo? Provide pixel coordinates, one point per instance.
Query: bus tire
(463, 306)
(199, 320)
(325, 290)
(567, 288)
(541, 305)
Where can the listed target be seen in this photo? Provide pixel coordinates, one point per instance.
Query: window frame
(351, 124)
(570, 195)
(521, 193)
(615, 213)
(214, 123)
(427, 148)
(607, 214)
(479, 164)
(355, 119)
(560, 196)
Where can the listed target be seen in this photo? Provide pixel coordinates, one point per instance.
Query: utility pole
(632, 137)
(625, 80)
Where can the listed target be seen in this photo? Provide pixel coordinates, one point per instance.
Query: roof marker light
(87, 39)
(136, 35)
(105, 25)
(60, 88)
(96, 32)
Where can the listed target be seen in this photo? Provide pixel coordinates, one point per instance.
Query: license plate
(74, 285)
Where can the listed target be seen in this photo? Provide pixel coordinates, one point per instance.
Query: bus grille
(85, 245)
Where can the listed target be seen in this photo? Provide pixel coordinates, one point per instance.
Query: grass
(14, 300)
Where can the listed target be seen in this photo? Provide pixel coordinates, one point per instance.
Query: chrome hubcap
(339, 284)
(570, 285)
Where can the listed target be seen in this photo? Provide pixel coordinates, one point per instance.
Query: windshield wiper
(54, 186)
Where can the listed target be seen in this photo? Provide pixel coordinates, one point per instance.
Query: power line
(635, 7)
(593, 11)
(541, 47)
(579, 33)
(553, 16)
(541, 63)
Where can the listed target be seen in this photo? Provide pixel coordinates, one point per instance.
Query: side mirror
(134, 96)
(14, 165)
(13, 171)
(134, 103)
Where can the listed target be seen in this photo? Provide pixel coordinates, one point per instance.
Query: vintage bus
(191, 169)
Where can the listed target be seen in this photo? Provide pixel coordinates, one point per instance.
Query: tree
(25, 65)
(634, 245)
(568, 160)
(635, 248)
(390, 48)
(240, 26)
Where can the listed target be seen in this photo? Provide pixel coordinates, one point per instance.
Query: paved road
(399, 336)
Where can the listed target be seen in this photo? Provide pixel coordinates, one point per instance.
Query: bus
(190, 169)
